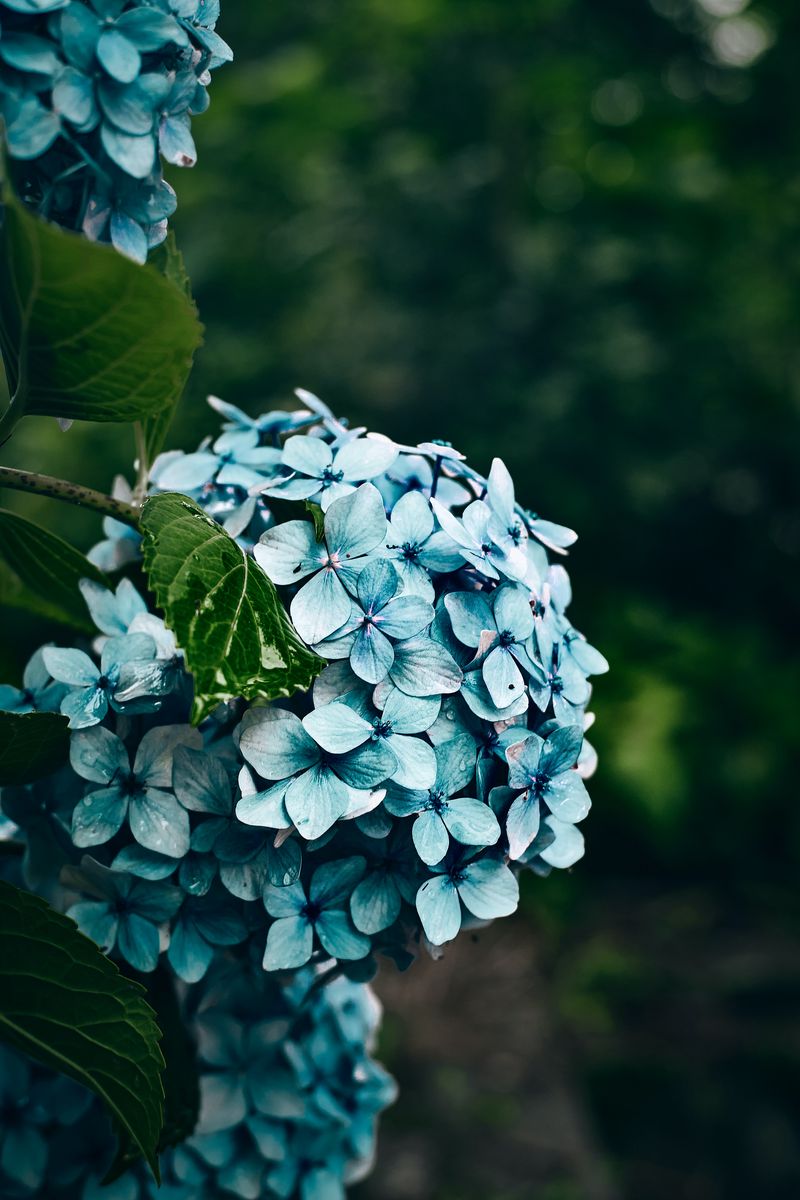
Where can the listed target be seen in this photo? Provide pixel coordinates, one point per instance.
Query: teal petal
(289, 944)
(340, 938)
(439, 909)
(489, 889)
(159, 823)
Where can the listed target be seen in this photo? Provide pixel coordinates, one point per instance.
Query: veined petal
(416, 762)
(522, 824)
(315, 800)
(567, 847)
(470, 614)
(364, 458)
(375, 903)
(439, 909)
(289, 944)
(356, 524)
(489, 889)
(159, 823)
(371, 655)
(274, 742)
(567, 797)
(502, 677)
(138, 942)
(98, 816)
(70, 666)
(289, 552)
(320, 607)
(470, 822)
(405, 617)
(339, 937)
(309, 455)
(337, 727)
(430, 837)
(98, 755)
(284, 901)
(154, 757)
(424, 668)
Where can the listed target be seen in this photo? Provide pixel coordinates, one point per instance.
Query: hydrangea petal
(289, 944)
(439, 909)
(138, 942)
(159, 823)
(522, 824)
(489, 889)
(430, 837)
(337, 727)
(567, 847)
(315, 801)
(98, 816)
(470, 822)
(320, 607)
(338, 936)
(274, 742)
(375, 903)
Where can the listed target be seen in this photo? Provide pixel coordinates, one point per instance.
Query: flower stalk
(72, 493)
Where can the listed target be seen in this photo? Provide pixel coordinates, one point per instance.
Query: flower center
(436, 799)
(311, 910)
(410, 551)
(329, 476)
(506, 639)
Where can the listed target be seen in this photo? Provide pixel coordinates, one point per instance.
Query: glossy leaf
(85, 333)
(222, 608)
(63, 1002)
(46, 566)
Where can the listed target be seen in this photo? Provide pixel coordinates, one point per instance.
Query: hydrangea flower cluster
(92, 92)
(439, 754)
(289, 1091)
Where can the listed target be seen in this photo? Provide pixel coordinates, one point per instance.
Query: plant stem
(72, 493)
(142, 465)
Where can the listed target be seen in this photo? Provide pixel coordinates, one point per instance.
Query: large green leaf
(222, 608)
(32, 746)
(84, 332)
(64, 1003)
(47, 567)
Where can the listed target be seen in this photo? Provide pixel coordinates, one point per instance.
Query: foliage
(68, 1006)
(225, 615)
(34, 745)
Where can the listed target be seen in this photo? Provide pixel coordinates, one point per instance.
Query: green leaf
(318, 517)
(47, 567)
(86, 334)
(222, 608)
(63, 1002)
(32, 746)
(180, 1077)
(167, 259)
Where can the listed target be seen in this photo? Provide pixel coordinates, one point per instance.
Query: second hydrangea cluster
(440, 753)
(93, 93)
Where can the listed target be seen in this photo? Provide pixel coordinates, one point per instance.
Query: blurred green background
(566, 232)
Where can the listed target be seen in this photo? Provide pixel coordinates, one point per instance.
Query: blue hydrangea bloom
(91, 93)
(322, 914)
(92, 690)
(126, 913)
(486, 888)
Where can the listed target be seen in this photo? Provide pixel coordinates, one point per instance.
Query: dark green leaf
(65, 1004)
(222, 608)
(169, 261)
(318, 517)
(84, 332)
(180, 1077)
(46, 566)
(32, 745)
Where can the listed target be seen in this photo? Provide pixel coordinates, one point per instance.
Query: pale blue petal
(476, 697)
(523, 760)
(159, 823)
(430, 837)
(265, 809)
(405, 617)
(410, 714)
(411, 520)
(309, 455)
(375, 903)
(289, 944)
(489, 889)
(129, 648)
(337, 727)
(188, 472)
(401, 803)
(338, 936)
(561, 750)
(455, 759)
(377, 583)
(315, 801)
(372, 654)
(567, 797)
(289, 552)
(522, 824)
(470, 822)
(70, 666)
(356, 524)
(98, 816)
(364, 458)
(512, 611)
(275, 742)
(320, 607)
(118, 55)
(367, 766)
(500, 490)
(98, 755)
(424, 668)
(470, 614)
(439, 909)
(568, 845)
(502, 677)
(416, 762)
